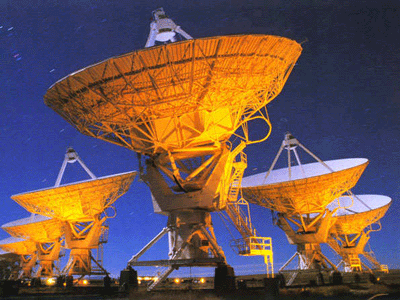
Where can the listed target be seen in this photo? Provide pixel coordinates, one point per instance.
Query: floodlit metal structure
(46, 233)
(26, 249)
(351, 232)
(178, 104)
(81, 207)
(300, 195)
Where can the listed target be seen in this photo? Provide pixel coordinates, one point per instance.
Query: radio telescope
(178, 104)
(81, 207)
(26, 249)
(46, 233)
(353, 226)
(300, 195)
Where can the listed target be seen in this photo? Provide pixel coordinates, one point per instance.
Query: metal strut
(149, 245)
(70, 157)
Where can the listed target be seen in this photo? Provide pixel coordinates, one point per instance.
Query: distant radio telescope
(46, 233)
(352, 229)
(300, 194)
(80, 206)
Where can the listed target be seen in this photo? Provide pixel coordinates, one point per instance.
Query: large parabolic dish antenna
(178, 95)
(352, 228)
(366, 210)
(38, 228)
(311, 187)
(46, 233)
(18, 246)
(77, 201)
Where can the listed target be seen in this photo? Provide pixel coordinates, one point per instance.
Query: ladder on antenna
(98, 268)
(250, 244)
(240, 219)
(292, 278)
(160, 278)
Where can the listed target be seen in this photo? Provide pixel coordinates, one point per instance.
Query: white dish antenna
(302, 172)
(311, 188)
(25, 221)
(366, 210)
(38, 228)
(362, 203)
(18, 246)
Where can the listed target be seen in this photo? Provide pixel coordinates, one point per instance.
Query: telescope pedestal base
(80, 263)
(310, 257)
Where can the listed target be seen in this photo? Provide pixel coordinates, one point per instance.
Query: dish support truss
(27, 265)
(352, 246)
(190, 231)
(308, 239)
(82, 238)
(48, 255)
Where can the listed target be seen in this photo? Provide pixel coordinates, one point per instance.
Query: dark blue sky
(342, 100)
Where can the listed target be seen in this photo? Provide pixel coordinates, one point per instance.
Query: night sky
(342, 100)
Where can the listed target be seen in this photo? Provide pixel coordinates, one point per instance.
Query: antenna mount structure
(300, 194)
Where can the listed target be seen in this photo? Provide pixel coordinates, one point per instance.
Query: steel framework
(179, 104)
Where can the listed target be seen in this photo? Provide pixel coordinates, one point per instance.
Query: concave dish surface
(366, 210)
(301, 194)
(79, 201)
(18, 246)
(178, 95)
(38, 228)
